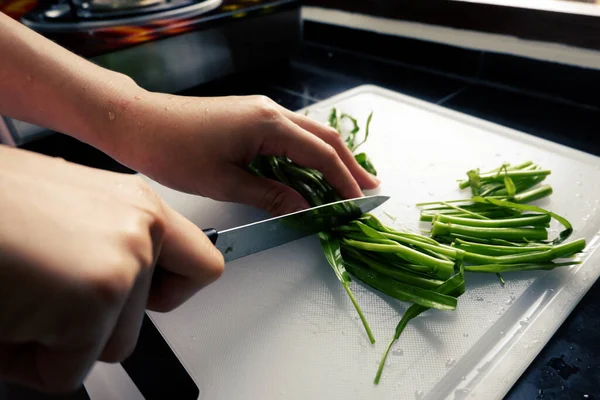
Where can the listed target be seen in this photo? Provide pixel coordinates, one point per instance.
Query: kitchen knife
(252, 238)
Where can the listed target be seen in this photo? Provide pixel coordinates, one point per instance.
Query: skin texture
(79, 246)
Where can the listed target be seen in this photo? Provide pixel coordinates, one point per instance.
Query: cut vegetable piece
(401, 291)
(563, 235)
(514, 234)
(455, 286)
(333, 254)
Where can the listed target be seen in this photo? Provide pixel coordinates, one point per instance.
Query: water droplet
(461, 394)
(450, 362)
(502, 333)
(571, 347)
(498, 154)
(206, 110)
(586, 396)
(169, 97)
(523, 323)
(562, 388)
(329, 54)
(398, 352)
(137, 97)
(430, 193)
(466, 334)
(479, 298)
(29, 78)
(166, 108)
(463, 378)
(283, 393)
(431, 164)
(499, 312)
(577, 194)
(578, 183)
(552, 290)
(343, 333)
(111, 115)
(419, 394)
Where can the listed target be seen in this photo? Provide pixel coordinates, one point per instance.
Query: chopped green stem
(391, 270)
(497, 268)
(496, 250)
(533, 194)
(515, 174)
(441, 268)
(465, 211)
(562, 236)
(515, 234)
(360, 313)
(447, 251)
(455, 286)
(401, 291)
(533, 220)
(559, 251)
(501, 279)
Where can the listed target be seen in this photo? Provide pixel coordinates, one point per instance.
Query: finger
(333, 138)
(46, 369)
(274, 197)
(124, 337)
(310, 151)
(188, 262)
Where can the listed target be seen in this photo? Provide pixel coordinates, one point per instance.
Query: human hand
(203, 146)
(78, 248)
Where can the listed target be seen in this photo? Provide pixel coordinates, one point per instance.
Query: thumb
(267, 194)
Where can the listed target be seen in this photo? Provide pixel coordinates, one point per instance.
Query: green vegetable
(333, 254)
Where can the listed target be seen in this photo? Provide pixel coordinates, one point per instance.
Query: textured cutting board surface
(278, 325)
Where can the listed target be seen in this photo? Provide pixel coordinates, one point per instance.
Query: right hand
(78, 248)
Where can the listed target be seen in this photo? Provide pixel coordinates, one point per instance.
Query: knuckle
(266, 108)
(330, 152)
(332, 137)
(111, 283)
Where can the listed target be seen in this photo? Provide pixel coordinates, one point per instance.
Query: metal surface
(140, 18)
(252, 238)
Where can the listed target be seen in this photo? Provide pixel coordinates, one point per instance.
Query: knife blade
(248, 239)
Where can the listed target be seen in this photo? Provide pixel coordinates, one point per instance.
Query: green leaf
(354, 148)
(455, 286)
(333, 254)
(364, 161)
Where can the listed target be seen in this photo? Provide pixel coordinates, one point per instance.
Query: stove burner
(121, 4)
(83, 15)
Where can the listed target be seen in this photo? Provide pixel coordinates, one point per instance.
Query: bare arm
(47, 85)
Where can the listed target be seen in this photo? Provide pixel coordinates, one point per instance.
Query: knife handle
(212, 234)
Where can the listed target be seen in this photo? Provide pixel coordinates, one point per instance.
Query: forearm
(43, 83)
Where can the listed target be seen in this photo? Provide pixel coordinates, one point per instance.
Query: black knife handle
(212, 234)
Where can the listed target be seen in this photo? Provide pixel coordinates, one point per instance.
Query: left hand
(203, 146)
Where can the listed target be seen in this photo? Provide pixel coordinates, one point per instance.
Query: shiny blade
(252, 238)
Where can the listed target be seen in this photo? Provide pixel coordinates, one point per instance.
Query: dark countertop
(568, 367)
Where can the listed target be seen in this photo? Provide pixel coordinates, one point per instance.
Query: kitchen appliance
(164, 45)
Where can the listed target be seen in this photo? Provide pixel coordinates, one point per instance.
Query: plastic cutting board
(278, 325)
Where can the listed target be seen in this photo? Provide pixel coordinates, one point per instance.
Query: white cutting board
(278, 325)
